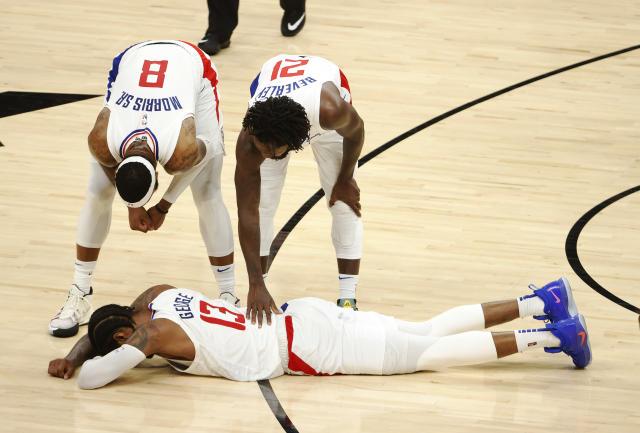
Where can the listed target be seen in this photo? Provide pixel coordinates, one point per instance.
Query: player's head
(280, 123)
(105, 322)
(136, 180)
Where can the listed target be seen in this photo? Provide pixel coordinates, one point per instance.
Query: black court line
(12, 103)
(265, 386)
(571, 250)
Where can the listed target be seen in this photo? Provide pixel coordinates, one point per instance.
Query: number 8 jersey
(226, 344)
(153, 86)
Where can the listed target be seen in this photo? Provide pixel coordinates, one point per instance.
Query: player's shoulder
(149, 295)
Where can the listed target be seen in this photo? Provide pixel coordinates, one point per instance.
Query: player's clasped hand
(61, 368)
(347, 192)
(140, 220)
(259, 303)
(157, 218)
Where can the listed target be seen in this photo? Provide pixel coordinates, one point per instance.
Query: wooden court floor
(471, 209)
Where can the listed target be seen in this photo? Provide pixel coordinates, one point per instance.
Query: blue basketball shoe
(574, 339)
(558, 300)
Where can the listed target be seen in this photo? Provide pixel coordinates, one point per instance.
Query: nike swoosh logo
(555, 296)
(583, 335)
(222, 270)
(203, 40)
(295, 25)
(344, 278)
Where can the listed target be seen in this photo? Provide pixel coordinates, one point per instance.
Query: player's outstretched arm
(65, 367)
(247, 180)
(337, 114)
(100, 371)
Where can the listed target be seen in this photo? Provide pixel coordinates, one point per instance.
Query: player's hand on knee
(348, 192)
(140, 220)
(62, 368)
(157, 217)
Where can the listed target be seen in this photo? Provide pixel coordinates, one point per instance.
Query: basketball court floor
(469, 208)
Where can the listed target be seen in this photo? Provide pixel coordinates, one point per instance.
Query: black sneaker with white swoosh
(292, 22)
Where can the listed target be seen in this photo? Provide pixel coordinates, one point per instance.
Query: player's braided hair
(278, 121)
(104, 322)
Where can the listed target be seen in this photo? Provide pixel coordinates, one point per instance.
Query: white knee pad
(95, 217)
(346, 231)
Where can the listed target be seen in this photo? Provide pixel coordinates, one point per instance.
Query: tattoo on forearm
(189, 158)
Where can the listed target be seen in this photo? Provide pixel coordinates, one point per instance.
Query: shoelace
(70, 307)
(533, 287)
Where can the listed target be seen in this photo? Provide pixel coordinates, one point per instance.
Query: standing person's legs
(293, 18)
(272, 175)
(93, 226)
(223, 19)
(346, 229)
(215, 226)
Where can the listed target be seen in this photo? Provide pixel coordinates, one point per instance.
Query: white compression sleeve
(215, 223)
(95, 216)
(99, 371)
(181, 181)
(467, 348)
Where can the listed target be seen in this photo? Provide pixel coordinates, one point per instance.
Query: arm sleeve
(99, 371)
(181, 181)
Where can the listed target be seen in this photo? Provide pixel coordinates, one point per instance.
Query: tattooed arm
(64, 367)
(99, 371)
(189, 150)
(98, 146)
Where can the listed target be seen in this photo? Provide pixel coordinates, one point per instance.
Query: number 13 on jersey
(221, 316)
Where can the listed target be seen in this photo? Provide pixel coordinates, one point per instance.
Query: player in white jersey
(297, 100)
(313, 337)
(162, 107)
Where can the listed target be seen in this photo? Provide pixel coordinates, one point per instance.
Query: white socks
(530, 305)
(534, 338)
(348, 285)
(225, 277)
(84, 275)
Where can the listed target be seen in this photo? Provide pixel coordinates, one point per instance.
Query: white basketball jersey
(300, 78)
(226, 344)
(153, 86)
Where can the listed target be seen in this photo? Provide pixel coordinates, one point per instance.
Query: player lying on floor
(211, 337)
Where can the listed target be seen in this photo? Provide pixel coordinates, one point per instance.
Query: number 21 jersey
(301, 79)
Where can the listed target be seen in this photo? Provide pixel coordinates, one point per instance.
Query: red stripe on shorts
(345, 84)
(209, 73)
(295, 363)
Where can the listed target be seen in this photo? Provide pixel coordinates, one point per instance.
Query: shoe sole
(69, 332)
(583, 323)
(64, 333)
(571, 303)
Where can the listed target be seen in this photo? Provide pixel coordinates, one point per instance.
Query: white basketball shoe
(230, 298)
(76, 311)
